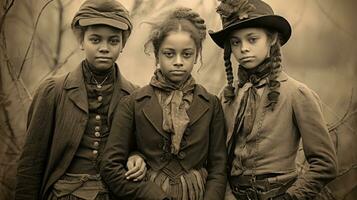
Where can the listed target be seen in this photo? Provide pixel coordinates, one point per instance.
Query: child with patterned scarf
(267, 112)
(175, 124)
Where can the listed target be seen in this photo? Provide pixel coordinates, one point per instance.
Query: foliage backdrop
(36, 42)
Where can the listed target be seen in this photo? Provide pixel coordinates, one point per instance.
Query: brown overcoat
(56, 122)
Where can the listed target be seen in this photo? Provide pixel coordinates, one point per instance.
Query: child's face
(250, 46)
(102, 45)
(177, 56)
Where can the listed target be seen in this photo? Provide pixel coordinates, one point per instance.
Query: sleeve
(120, 143)
(217, 156)
(317, 145)
(40, 123)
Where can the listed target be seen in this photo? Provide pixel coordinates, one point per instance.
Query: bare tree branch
(60, 34)
(8, 7)
(56, 68)
(296, 23)
(334, 22)
(349, 113)
(33, 36)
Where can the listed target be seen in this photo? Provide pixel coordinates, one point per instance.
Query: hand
(136, 168)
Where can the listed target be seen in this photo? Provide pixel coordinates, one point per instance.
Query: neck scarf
(249, 82)
(175, 101)
(251, 79)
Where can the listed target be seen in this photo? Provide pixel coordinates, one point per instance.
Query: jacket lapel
(199, 104)
(152, 109)
(76, 89)
(120, 83)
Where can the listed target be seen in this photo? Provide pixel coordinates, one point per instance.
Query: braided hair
(229, 89)
(275, 66)
(181, 19)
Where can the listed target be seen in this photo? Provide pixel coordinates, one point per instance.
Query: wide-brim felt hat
(239, 14)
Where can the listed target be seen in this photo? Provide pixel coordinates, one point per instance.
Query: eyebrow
(172, 49)
(246, 35)
(111, 36)
(250, 34)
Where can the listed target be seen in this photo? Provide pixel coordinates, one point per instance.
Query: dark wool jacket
(56, 123)
(137, 125)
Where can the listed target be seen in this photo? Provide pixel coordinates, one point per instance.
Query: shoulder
(300, 91)
(49, 85)
(203, 93)
(137, 94)
(127, 85)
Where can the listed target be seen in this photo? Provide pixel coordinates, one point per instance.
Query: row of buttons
(97, 129)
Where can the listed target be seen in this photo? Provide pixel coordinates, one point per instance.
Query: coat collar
(77, 91)
(153, 111)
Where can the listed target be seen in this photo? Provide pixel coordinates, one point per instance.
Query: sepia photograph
(178, 100)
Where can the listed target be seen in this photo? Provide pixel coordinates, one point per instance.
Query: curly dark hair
(181, 19)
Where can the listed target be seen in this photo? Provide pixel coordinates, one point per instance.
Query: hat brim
(274, 22)
(106, 21)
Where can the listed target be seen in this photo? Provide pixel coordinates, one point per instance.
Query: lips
(246, 59)
(177, 72)
(105, 59)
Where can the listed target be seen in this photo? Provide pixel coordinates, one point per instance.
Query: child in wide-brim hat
(268, 112)
(70, 116)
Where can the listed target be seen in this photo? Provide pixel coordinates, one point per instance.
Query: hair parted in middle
(180, 19)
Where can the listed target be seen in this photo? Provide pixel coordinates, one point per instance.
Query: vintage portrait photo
(178, 100)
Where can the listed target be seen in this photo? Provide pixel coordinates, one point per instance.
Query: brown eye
(253, 40)
(168, 54)
(235, 42)
(187, 54)
(114, 41)
(94, 40)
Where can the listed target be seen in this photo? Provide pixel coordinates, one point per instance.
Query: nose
(244, 47)
(178, 61)
(103, 48)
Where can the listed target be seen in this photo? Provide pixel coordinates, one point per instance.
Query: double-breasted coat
(57, 120)
(137, 125)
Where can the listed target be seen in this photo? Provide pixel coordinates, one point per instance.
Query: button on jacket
(54, 131)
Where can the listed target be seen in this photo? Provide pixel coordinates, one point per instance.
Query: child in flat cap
(173, 122)
(70, 116)
(267, 112)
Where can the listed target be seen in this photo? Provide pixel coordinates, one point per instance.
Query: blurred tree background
(36, 42)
